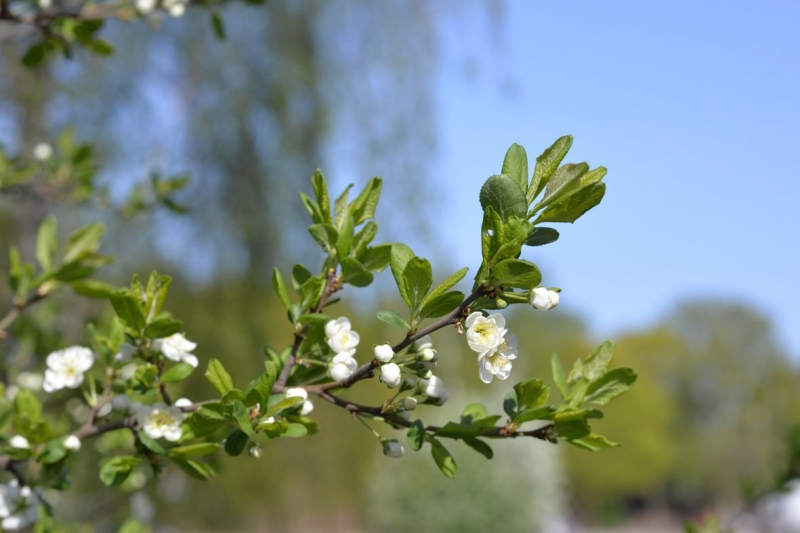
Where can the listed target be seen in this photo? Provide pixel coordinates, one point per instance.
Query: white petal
(485, 374)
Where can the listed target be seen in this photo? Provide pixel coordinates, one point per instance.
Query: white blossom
(485, 334)
(390, 374)
(175, 8)
(342, 365)
(182, 402)
(428, 354)
(306, 406)
(65, 368)
(18, 506)
(43, 151)
(410, 403)
(341, 337)
(432, 387)
(145, 7)
(160, 420)
(392, 448)
(44, 4)
(72, 443)
(19, 442)
(176, 348)
(422, 343)
(498, 363)
(384, 353)
(543, 299)
(30, 380)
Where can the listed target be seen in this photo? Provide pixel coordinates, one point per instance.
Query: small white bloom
(159, 420)
(432, 387)
(65, 368)
(441, 399)
(20, 442)
(44, 4)
(341, 337)
(428, 354)
(43, 151)
(342, 368)
(145, 7)
(177, 10)
(410, 403)
(296, 392)
(392, 448)
(543, 299)
(485, 334)
(423, 342)
(176, 348)
(306, 408)
(390, 374)
(72, 443)
(498, 363)
(30, 380)
(18, 506)
(182, 402)
(268, 420)
(384, 353)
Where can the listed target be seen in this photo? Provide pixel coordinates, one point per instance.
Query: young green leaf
(177, 373)
(515, 165)
(280, 288)
(480, 446)
(418, 277)
(47, 242)
(326, 235)
(236, 442)
(321, 192)
(219, 377)
(128, 308)
(399, 257)
(593, 442)
(115, 471)
(340, 208)
(446, 284)
(392, 318)
(559, 377)
(546, 165)
(416, 435)
(443, 459)
(531, 394)
(505, 196)
(355, 273)
(441, 305)
(376, 258)
(516, 273)
(541, 236)
(83, 241)
(472, 412)
(596, 364)
(363, 207)
(613, 383)
(200, 449)
(572, 207)
(163, 327)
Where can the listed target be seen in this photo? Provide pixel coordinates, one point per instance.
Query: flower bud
(296, 392)
(306, 408)
(42, 151)
(410, 403)
(428, 354)
(423, 342)
(384, 353)
(392, 448)
(500, 303)
(20, 442)
(72, 443)
(543, 299)
(390, 374)
(182, 402)
(408, 384)
(427, 374)
(255, 451)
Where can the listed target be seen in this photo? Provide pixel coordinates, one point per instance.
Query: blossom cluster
(19, 506)
(343, 341)
(487, 336)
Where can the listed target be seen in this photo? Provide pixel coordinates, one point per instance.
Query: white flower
(72, 443)
(410, 403)
(43, 151)
(18, 506)
(485, 334)
(341, 337)
(177, 10)
(176, 348)
(44, 4)
(30, 380)
(433, 387)
(20, 442)
(423, 342)
(392, 448)
(499, 363)
(390, 374)
(543, 299)
(159, 420)
(305, 406)
(145, 7)
(384, 353)
(182, 402)
(428, 354)
(65, 368)
(342, 366)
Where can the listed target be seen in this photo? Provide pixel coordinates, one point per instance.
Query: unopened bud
(256, 450)
(410, 403)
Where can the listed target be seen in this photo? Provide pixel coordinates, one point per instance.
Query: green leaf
(572, 207)
(610, 385)
(416, 435)
(547, 164)
(510, 404)
(279, 288)
(47, 242)
(531, 394)
(418, 277)
(321, 192)
(242, 418)
(312, 207)
(300, 275)
(236, 442)
(195, 469)
(541, 236)
(363, 207)
(219, 377)
(472, 412)
(84, 241)
(541, 413)
(355, 273)
(515, 165)
(517, 273)
(593, 442)
(392, 318)
(441, 305)
(480, 446)
(559, 377)
(27, 405)
(128, 308)
(93, 288)
(446, 284)
(131, 525)
(376, 258)
(163, 327)
(505, 196)
(313, 318)
(455, 430)
(219, 27)
(115, 471)
(346, 234)
(596, 364)
(177, 373)
(35, 55)
(443, 459)
(295, 431)
(151, 444)
(99, 47)
(201, 449)
(53, 452)
(564, 181)
(571, 428)
(260, 389)
(398, 259)
(326, 235)
(363, 238)
(578, 393)
(340, 207)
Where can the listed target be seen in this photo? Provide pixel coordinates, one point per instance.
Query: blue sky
(695, 110)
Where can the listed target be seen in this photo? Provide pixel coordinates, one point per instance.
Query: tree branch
(17, 310)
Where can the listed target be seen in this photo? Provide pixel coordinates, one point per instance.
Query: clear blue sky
(694, 107)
